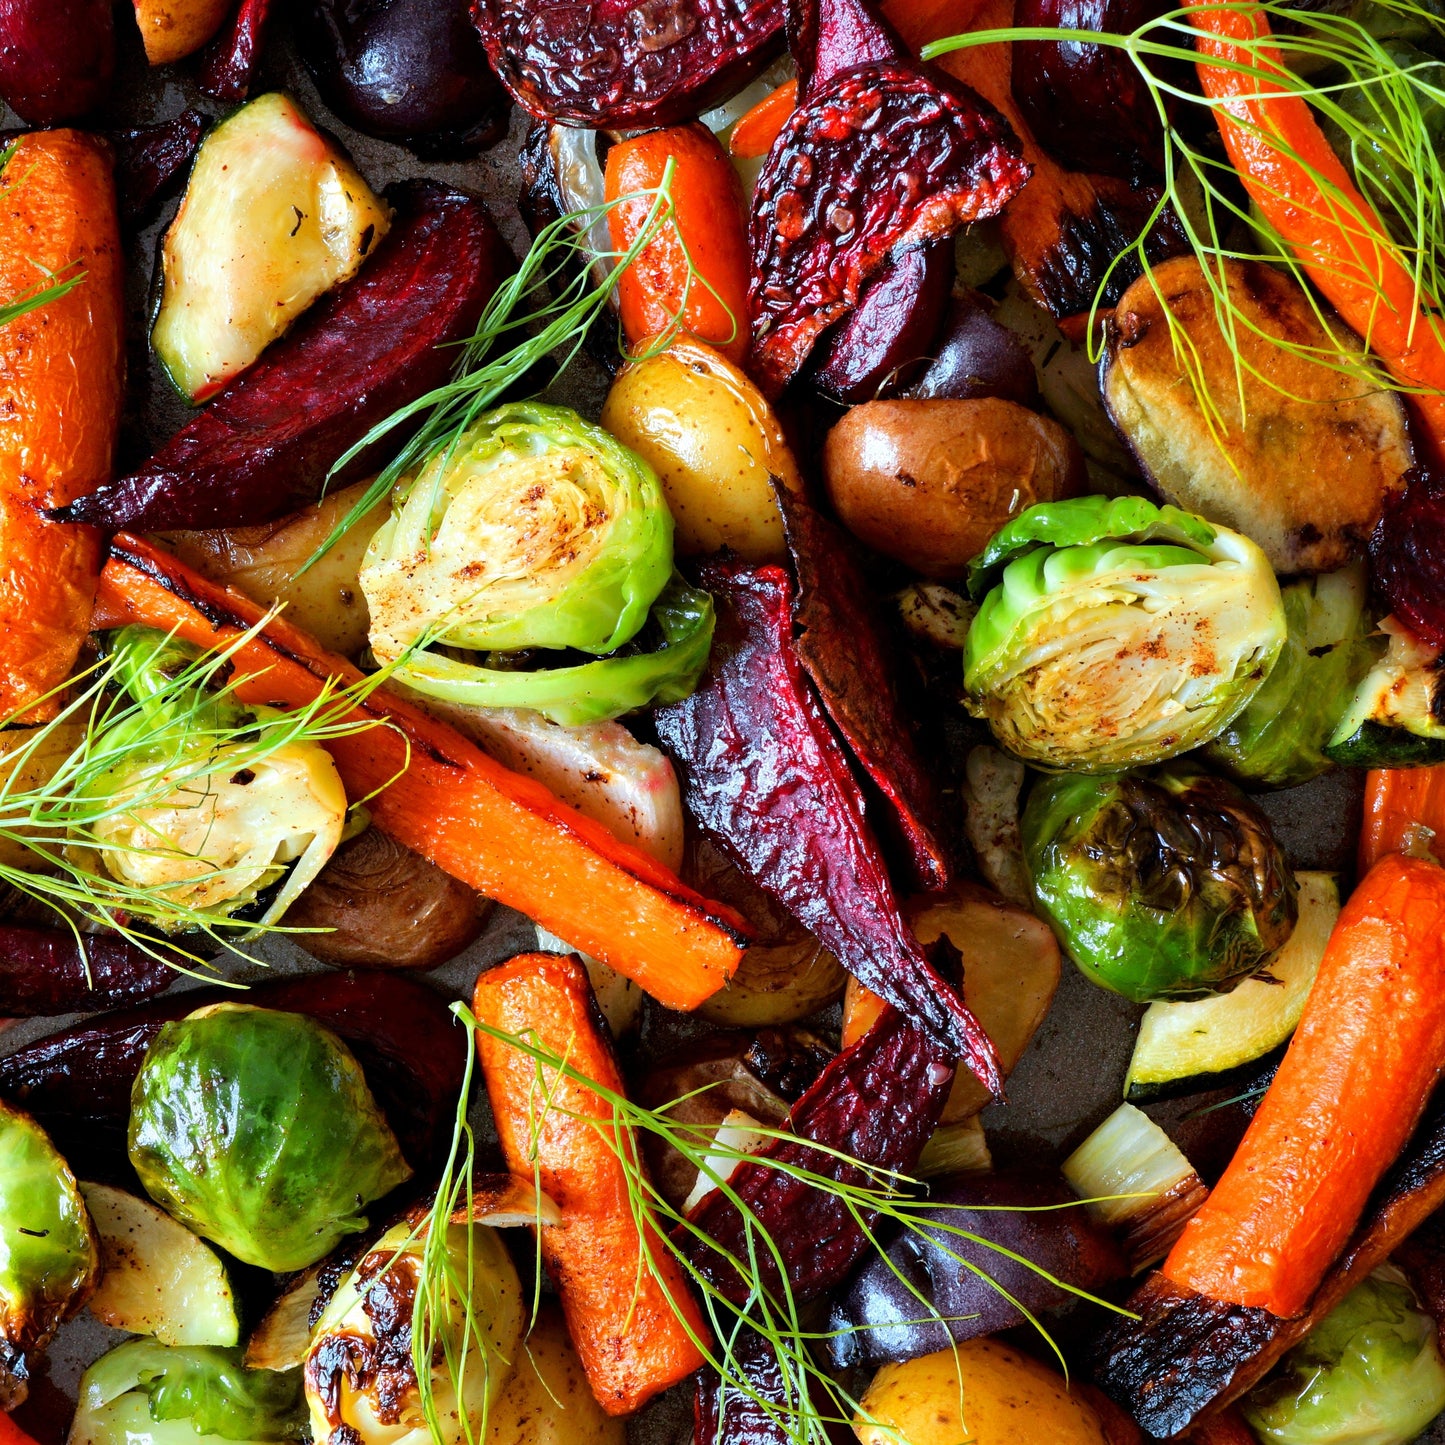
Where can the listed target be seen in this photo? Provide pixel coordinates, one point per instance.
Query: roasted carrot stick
(755, 133)
(441, 796)
(709, 227)
(1347, 1096)
(60, 390)
(12, 1434)
(625, 1296)
(1303, 189)
(1404, 813)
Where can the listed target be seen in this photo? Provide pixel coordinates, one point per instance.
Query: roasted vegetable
(1166, 884)
(993, 782)
(50, 1257)
(170, 30)
(1405, 554)
(974, 356)
(1113, 633)
(265, 445)
(930, 482)
(61, 369)
(1369, 1373)
(1396, 717)
(1404, 812)
(52, 971)
(157, 1278)
(151, 159)
(598, 66)
(1238, 467)
(406, 70)
(988, 1248)
(1279, 739)
(273, 216)
(150, 1394)
(714, 443)
(229, 65)
(359, 1373)
(57, 58)
(256, 1129)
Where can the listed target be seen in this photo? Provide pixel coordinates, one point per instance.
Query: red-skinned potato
(57, 57)
(975, 356)
(172, 29)
(929, 482)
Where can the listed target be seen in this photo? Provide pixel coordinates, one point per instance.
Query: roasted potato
(715, 443)
(1305, 469)
(21, 770)
(172, 29)
(929, 482)
(262, 562)
(982, 1391)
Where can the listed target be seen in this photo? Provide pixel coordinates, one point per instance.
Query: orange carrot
(1404, 813)
(1303, 189)
(709, 221)
(61, 370)
(1225, 1429)
(629, 1310)
(1352, 1086)
(441, 796)
(12, 1434)
(755, 133)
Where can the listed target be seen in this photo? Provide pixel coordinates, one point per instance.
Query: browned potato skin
(386, 907)
(1308, 466)
(929, 482)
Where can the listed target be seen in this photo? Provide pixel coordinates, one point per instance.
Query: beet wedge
(54, 971)
(603, 65)
(232, 59)
(264, 446)
(881, 153)
(763, 772)
(729, 1417)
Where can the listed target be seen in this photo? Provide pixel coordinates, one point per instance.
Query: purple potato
(976, 357)
(57, 57)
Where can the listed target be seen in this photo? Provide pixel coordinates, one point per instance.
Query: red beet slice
(44, 971)
(733, 1418)
(607, 65)
(151, 159)
(263, 447)
(763, 772)
(1407, 554)
(229, 66)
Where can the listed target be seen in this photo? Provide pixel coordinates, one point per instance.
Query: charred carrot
(1404, 813)
(708, 228)
(1361, 1065)
(755, 133)
(60, 391)
(1303, 189)
(12, 1434)
(628, 1307)
(440, 795)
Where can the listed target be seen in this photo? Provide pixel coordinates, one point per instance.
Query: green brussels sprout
(535, 529)
(1370, 1373)
(49, 1258)
(256, 1129)
(1278, 740)
(360, 1383)
(1159, 884)
(146, 1393)
(1113, 632)
(202, 804)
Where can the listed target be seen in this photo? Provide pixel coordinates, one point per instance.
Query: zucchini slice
(273, 216)
(1396, 718)
(1186, 1047)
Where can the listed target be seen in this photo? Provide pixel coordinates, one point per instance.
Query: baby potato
(713, 440)
(929, 482)
(981, 1391)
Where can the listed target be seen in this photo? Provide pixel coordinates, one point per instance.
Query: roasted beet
(764, 774)
(263, 447)
(733, 1417)
(611, 66)
(46, 971)
(150, 160)
(407, 70)
(879, 155)
(1407, 553)
(976, 357)
(57, 57)
(229, 67)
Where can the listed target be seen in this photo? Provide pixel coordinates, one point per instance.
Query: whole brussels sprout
(49, 1259)
(1160, 884)
(1113, 632)
(1370, 1373)
(256, 1129)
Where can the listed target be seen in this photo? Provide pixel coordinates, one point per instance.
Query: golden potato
(929, 482)
(546, 1400)
(29, 758)
(981, 1391)
(713, 440)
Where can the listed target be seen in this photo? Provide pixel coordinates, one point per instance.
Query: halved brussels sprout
(535, 529)
(1370, 1373)
(1159, 884)
(1114, 632)
(146, 1393)
(360, 1383)
(256, 1129)
(49, 1258)
(208, 805)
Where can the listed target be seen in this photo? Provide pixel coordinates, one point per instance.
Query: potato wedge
(172, 29)
(1305, 470)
